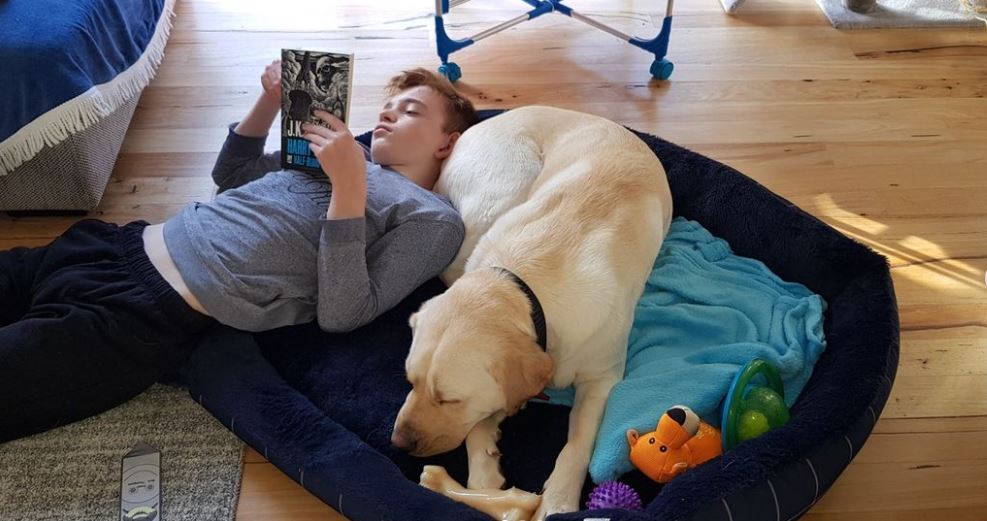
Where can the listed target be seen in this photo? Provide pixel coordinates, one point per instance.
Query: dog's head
(473, 356)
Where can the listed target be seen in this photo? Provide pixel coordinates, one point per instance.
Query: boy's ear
(444, 152)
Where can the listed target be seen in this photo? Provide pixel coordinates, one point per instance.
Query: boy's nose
(386, 117)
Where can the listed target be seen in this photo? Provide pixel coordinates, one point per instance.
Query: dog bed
(321, 406)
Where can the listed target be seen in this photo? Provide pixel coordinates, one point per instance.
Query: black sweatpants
(86, 323)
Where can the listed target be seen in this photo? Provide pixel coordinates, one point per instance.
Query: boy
(102, 312)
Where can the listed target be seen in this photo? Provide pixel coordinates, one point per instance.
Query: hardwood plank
(179, 164)
(252, 456)
(913, 469)
(944, 354)
(928, 396)
(907, 488)
(936, 318)
(931, 425)
(267, 493)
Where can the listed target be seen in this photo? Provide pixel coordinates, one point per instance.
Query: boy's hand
(271, 81)
(337, 151)
(260, 118)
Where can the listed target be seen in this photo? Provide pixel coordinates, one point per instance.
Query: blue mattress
(321, 406)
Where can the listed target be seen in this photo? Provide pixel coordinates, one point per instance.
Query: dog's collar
(537, 313)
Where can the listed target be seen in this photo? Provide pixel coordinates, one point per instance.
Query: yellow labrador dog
(564, 215)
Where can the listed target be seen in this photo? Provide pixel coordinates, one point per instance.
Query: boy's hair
(460, 114)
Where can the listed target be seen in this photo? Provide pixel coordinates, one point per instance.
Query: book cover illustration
(311, 80)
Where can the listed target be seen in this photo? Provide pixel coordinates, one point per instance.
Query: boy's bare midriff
(157, 252)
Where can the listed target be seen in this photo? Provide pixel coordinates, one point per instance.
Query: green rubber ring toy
(750, 411)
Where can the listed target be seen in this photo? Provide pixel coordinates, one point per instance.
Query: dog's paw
(556, 502)
(486, 476)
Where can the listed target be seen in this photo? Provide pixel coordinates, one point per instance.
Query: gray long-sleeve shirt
(263, 255)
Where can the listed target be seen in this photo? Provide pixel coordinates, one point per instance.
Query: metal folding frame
(661, 68)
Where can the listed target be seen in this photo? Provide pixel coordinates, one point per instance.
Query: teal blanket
(704, 314)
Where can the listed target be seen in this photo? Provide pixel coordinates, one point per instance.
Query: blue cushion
(321, 406)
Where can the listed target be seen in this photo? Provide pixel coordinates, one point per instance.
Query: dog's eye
(651, 441)
(448, 402)
(663, 448)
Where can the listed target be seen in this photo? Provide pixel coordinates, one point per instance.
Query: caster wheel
(451, 71)
(662, 69)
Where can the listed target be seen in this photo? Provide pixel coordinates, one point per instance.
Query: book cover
(311, 80)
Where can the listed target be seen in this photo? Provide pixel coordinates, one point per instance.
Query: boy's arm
(358, 283)
(242, 157)
(241, 160)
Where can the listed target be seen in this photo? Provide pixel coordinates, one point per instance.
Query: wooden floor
(881, 134)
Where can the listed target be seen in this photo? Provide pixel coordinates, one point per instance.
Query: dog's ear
(523, 372)
(414, 318)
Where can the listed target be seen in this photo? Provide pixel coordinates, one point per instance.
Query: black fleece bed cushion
(321, 406)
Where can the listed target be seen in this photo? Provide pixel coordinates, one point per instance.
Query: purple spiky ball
(614, 494)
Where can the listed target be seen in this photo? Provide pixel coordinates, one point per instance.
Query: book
(311, 80)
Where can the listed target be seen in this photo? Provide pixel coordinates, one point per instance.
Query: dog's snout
(403, 441)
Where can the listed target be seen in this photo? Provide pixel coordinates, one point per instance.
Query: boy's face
(409, 129)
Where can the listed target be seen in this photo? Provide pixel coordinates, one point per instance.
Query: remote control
(140, 485)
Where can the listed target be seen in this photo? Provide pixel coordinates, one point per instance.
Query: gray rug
(73, 473)
(902, 13)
